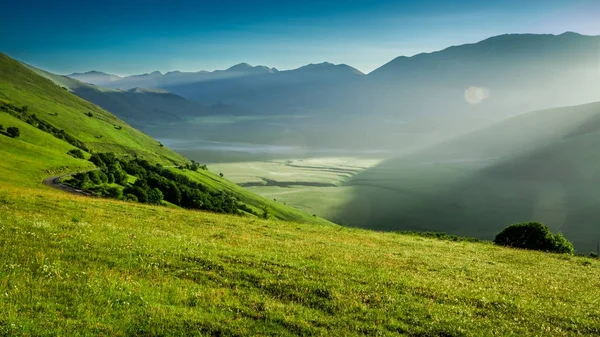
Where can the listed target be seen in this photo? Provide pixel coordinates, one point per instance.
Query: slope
(37, 154)
(98, 129)
(80, 266)
(141, 108)
(536, 166)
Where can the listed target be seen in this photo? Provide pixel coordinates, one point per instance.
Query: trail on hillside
(54, 182)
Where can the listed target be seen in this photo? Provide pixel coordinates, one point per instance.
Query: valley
(449, 193)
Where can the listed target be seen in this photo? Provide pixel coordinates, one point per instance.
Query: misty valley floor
(315, 185)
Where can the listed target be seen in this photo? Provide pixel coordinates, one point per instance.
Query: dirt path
(54, 182)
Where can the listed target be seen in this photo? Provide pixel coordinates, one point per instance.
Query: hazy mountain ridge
(466, 86)
(96, 77)
(138, 106)
(535, 166)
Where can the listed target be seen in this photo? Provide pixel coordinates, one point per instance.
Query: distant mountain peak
(92, 72)
(240, 66)
(328, 65)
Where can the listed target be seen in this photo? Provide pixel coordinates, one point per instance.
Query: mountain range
(435, 95)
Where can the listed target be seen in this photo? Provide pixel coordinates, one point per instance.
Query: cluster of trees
(153, 184)
(22, 114)
(534, 236)
(193, 166)
(11, 131)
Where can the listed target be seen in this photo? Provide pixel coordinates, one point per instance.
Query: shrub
(266, 213)
(113, 192)
(130, 197)
(155, 196)
(76, 153)
(13, 132)
(1, 128)
(534, 236)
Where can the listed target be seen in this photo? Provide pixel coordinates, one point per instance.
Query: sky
(133, 37)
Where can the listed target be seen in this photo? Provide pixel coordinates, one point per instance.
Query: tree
(266, 213)
(114, 192)
(76, 153)
(140, 193)
(1, 128)
(221, 175)
(535, 236)
(155, 196)
(13, 132)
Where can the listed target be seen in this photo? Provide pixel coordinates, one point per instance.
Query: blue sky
(130, 37)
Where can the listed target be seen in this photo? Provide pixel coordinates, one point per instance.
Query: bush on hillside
(76, 153)
(13, 132)
(534, 236)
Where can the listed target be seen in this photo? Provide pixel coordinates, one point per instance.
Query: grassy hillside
(75, 265)
(33, 156)
(537, 166)
(139, 107)
(36, 154)
(101, 132)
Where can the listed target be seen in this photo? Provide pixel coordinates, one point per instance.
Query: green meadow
(73, 265)
(88, 266)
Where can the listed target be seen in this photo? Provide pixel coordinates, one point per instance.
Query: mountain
(538, 166)
(158, 80)
(138, 106)
(408, 103)
(513, 73)
(271, 92)
(95, 77)
(54, 121)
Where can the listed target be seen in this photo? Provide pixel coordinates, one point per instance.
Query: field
(315, 185)
(75, 265)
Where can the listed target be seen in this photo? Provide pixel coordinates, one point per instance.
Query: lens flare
(476, 95)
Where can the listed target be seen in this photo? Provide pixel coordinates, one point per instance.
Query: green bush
(534, 236)
(13, 132)
(76, 153)
(130, 197)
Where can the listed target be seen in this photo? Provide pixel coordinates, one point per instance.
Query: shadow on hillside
(480, 202)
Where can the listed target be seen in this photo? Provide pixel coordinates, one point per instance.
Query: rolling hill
(41, 154)
(75, 265)
(96, 77)
(139, 107)
(535, 166)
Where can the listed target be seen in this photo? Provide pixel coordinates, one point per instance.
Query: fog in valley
(464, 140)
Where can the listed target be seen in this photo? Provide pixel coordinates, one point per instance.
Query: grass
(35, 155)
(84, 266)
(50, 102)
(74, 265)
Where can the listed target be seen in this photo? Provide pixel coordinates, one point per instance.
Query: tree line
(153, 184)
